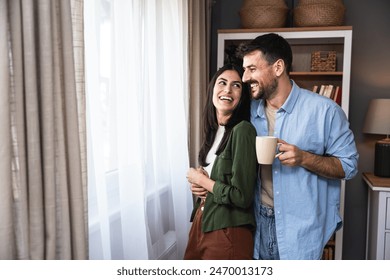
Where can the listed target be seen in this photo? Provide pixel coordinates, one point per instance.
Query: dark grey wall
(370, 78)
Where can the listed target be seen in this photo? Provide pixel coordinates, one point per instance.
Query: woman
(222, 221)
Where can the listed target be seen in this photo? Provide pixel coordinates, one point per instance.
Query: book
(322, 89)
(330, 253)
(325, 254)
(328, 91)
(337, 95)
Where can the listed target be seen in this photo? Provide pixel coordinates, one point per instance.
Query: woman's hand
(199, 191)
(195, 177)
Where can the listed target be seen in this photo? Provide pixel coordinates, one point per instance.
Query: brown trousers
(234, 243)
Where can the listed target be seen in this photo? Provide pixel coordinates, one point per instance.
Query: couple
(285, 211)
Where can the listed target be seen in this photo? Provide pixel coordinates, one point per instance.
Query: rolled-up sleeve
(341, 143)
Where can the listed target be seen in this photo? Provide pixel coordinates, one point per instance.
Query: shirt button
(277, 192)
(278, 212)
(276, 172)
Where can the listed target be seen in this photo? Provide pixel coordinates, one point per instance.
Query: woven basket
(319, 15)
(263, 16)
(253, 3)
(323, 61)
(313, 2)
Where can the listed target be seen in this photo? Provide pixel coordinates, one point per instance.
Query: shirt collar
(257, 106)
(292, 98)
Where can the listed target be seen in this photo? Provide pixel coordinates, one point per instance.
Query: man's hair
(272, 46)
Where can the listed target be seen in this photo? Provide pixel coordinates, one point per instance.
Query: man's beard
(267, 92)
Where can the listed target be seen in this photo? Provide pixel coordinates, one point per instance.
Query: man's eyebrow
(249, 66)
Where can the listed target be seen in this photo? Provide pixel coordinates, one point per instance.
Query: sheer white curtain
(136, 83)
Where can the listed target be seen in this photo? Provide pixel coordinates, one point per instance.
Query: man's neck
(283, 91)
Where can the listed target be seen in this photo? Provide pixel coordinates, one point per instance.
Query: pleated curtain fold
(43, 207)
(199, 50)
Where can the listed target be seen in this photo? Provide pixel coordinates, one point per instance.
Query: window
(136, 83)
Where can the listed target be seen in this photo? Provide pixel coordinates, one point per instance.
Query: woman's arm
(237, 168)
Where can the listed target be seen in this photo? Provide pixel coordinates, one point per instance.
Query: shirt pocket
(313, 141)
(225, 163)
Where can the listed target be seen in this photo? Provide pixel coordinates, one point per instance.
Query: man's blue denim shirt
(306, 205)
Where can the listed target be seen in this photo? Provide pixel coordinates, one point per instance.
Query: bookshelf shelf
(338, 73)
(304, 41)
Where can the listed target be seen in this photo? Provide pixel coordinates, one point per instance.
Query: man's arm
(326, 166)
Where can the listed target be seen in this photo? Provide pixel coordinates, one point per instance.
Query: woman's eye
(222, 83)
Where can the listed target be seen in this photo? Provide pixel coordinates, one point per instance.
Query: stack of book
(331, 91)
(328, 253)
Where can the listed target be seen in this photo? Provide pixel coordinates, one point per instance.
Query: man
(297, 202)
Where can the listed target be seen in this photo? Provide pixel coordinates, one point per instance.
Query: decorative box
(323, 61)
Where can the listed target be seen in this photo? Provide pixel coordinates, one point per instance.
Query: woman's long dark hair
(210, 122)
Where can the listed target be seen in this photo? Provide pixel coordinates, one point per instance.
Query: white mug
(267, 149)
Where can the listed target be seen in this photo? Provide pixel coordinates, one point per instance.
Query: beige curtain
(42, 131)
(199, 37)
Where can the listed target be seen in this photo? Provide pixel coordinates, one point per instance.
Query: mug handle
(277, 148)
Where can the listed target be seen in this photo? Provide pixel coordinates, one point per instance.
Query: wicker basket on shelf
(319, 13)
(263, 13)
(323, 61)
